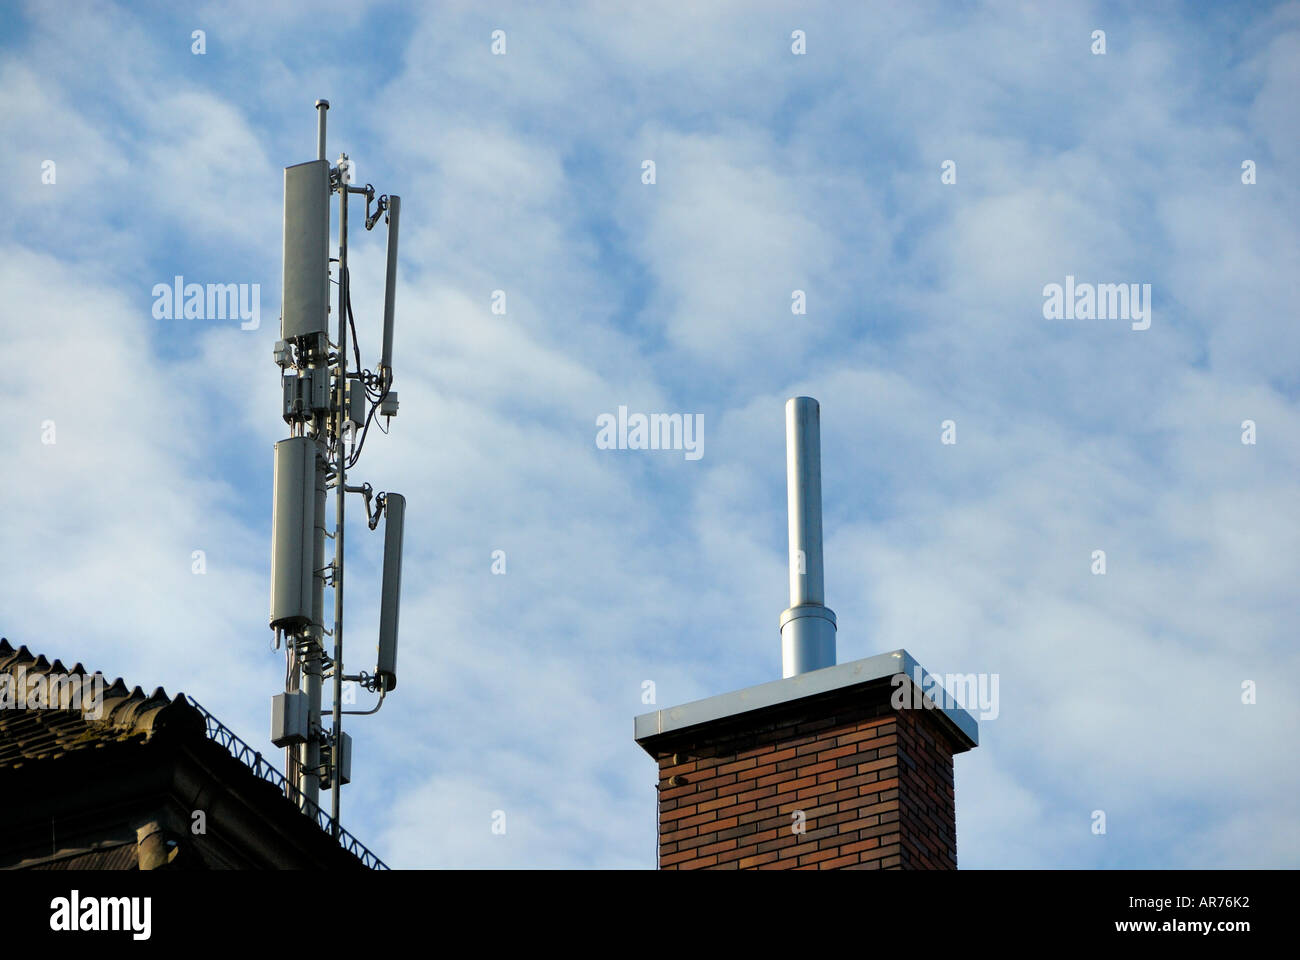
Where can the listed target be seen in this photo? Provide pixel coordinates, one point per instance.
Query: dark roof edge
(131, 710)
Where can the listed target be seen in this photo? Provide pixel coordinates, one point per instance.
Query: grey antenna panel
(390, 285)
(394, 519)
(293, 529)
(306, 278)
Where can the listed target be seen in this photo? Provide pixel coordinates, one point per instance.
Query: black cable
(356, 453)
(356, 352)
(374, 396)
(352, 323)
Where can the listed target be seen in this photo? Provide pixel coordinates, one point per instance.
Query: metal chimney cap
(673, 721)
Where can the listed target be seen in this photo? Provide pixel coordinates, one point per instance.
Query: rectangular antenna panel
(306, 279)
(391, 594)
(293, 533)
(390, 283)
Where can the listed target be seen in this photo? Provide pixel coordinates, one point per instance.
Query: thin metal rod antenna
(340, 489)
(321, 107)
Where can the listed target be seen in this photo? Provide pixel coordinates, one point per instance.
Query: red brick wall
(875, 785)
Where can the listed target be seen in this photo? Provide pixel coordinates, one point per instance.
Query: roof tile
(65, 726)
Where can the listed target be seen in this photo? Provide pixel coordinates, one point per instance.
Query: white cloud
(523, 173)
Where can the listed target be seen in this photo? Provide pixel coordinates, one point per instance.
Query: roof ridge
(115, 704)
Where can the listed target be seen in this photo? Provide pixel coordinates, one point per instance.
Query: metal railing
(263, 768)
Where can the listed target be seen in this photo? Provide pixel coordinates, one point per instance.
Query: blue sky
(774, 173)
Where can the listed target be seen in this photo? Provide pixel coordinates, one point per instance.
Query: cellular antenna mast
(329, 409)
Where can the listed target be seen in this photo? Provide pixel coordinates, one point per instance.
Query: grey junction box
(289, 718)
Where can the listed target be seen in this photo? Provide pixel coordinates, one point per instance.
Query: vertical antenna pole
(321, 107)
(340, 482)
(308, 779)
(305, 671)
(808, 626)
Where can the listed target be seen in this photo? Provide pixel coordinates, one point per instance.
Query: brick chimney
(846, 767)
(833, 766)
